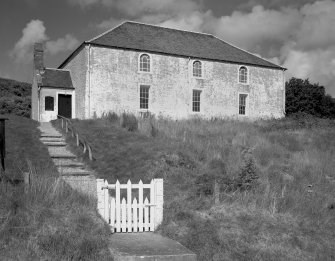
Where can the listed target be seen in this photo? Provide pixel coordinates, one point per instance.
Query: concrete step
(56, 143)
(62, 156)
(67, 162)
(147, 246)
(51, 135)
(59, 150)
(48, 139)
(76, 173)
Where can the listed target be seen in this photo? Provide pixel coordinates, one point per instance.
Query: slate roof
(143, 37)
(56, 78)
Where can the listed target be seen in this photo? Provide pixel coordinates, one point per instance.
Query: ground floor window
(242, 104)
(144, 97)
(49, 103)
(196, 101)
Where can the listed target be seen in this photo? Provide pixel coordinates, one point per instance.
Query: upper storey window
(243, 75)
(144, 63)
(197, 69)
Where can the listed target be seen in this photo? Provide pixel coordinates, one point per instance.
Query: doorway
(65, 105)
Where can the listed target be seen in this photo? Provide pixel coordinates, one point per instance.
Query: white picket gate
(127, 215)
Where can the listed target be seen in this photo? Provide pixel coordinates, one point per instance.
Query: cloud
(35, 32)
(62, 44)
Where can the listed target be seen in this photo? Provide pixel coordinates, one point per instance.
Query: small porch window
(49, 103)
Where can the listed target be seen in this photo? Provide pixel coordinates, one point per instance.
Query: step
(48, 135)
(56, 143)
(62, 156)
(52, 139)
(67, 162)
(147, 246)
(59, 150)
(71, 168)
(77, 173)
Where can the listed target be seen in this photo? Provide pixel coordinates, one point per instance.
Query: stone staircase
(72, 171)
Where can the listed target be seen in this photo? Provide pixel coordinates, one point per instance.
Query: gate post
(159, 201)
(100, 198)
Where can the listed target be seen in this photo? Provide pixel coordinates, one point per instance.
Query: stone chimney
(38, 56)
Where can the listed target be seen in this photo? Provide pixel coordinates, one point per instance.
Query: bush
(247, 177)
(129, 122)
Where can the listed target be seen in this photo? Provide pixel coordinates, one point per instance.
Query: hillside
(275, 181)
(50, 221)
(15, 97)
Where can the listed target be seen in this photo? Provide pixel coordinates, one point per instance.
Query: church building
(151, 70)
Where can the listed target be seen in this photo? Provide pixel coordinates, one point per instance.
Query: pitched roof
(143, 37)
(56, 78)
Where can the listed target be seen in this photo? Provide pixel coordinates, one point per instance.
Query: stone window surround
(197, 71)
(147, 86)
(194, 91)
(246, 104)
(248, 75)
(139, 63)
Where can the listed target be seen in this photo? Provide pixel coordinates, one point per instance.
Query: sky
(296, 34)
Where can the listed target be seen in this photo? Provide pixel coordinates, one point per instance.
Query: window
(243, 75)
(196, 101)
(49, 103)
(242, 104)
(144, 63)
(197, 70)
(144, 97)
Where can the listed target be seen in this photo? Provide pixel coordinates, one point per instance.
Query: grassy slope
(50, 221)
(15, 97)
(282, 218)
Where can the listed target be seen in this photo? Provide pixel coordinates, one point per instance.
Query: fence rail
(80, 141)
(131, 214)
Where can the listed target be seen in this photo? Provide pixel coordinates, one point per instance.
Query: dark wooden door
(65, 105)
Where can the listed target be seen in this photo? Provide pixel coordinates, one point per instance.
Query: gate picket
(140, 206)
(146, 214)
(135, 215)
(118, 207)
(123, 215)
(129, 219)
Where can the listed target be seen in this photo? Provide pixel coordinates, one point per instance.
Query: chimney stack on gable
(38, 56)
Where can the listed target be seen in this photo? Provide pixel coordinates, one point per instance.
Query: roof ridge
(169, 28)
(247, 52)
(141, 23)
(106, 32)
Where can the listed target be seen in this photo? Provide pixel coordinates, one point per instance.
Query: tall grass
(47, 220)
(50, 221)
(276, 182)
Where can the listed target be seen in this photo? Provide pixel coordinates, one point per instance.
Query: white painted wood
(134, 215)
(112, 213)
(140, 206)
(118, 207)
(159, 201)
(146, 215)
(123, 215)
(106, 203)
(152, 208)
(129, 215)
(100, 196)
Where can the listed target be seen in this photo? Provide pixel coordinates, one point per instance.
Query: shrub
(247, 177)
(111, 117)
(129, 122)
